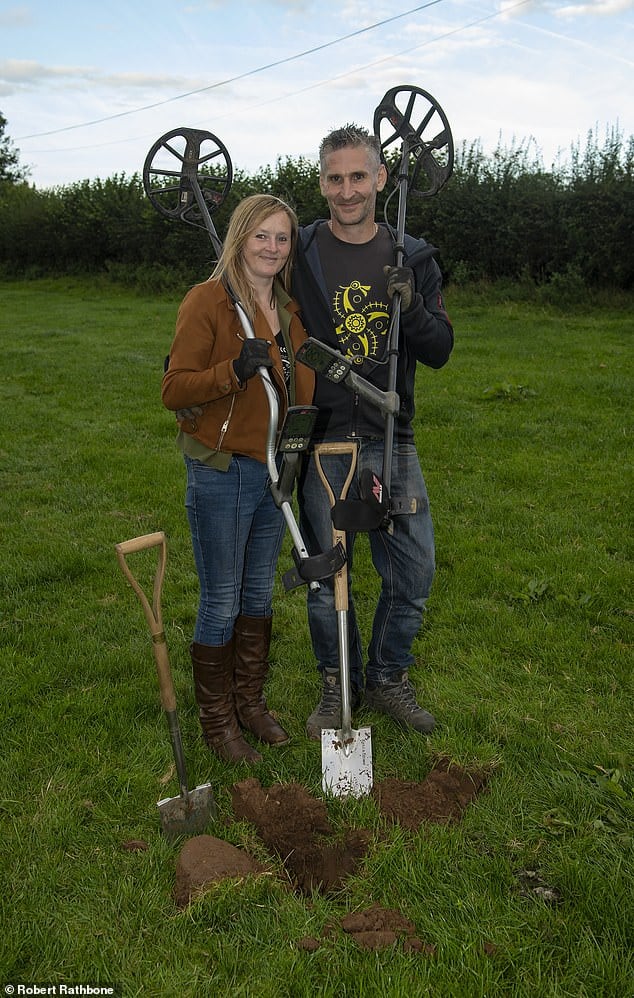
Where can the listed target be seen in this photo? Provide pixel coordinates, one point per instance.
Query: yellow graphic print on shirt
(361, 324)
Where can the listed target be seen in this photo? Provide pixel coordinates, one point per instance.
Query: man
(344, 278)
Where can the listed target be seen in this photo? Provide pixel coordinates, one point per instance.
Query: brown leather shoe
(213, 687)
(252, 637)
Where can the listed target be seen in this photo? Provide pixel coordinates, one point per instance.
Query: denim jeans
(237, 533)
(404, 560)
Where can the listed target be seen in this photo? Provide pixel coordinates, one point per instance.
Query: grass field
(525, 658)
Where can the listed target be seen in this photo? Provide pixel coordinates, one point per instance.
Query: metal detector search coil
(412, 117)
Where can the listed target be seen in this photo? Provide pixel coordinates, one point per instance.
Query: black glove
(401, 279)
(254, 354)
(191, 415)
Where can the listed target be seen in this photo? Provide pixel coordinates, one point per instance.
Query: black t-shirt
(286, 362)
(357, 291)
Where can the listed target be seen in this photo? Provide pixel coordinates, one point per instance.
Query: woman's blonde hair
(246, 217)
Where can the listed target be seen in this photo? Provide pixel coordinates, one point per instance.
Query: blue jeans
(403, 559)
(237, 533)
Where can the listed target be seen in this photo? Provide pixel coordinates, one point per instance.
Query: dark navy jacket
(426, 336)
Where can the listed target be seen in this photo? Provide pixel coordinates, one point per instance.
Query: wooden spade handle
(152, 611)
(141, 543)
(339, 536)
(159, 642)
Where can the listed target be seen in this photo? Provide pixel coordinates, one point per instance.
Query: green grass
(525, 658)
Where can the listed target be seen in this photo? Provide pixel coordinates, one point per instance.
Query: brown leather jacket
(208, 339)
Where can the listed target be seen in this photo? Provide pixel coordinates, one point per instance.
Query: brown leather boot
(213, 687)
(252, 637)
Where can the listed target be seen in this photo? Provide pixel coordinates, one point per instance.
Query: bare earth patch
(441, 797)
(294, 826)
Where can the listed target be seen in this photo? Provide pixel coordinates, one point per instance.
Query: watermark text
(59, 990)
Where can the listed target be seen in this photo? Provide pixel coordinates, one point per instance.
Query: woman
(236, 529)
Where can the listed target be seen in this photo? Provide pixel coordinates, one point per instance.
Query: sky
(88, 87)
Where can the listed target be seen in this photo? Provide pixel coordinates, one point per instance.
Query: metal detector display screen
(298, 427)
(323, 359)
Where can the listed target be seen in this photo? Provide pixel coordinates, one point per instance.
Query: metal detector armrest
(314, 568)
(336, 368)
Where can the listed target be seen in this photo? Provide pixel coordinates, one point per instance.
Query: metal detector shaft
(192, 176)
(416, 120)
(271, 463)
(395, 322)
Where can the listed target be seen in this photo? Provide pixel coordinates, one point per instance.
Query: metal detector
(414, 118)
(176, 189)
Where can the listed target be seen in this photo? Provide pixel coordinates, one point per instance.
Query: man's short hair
(350, 135)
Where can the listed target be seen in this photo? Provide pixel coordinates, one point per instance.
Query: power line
(313, 86)
(234, 79)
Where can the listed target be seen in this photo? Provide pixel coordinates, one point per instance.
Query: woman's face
(267, 248)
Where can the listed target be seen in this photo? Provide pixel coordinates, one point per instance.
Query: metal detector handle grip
(271, 394)
(386, 402)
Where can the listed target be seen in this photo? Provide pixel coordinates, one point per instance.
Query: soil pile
(295, 826)
(441, 797)
(205, 860)
(376, 928)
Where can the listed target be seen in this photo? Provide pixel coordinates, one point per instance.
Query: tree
(10, 170)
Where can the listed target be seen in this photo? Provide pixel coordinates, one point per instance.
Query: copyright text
(59, 990)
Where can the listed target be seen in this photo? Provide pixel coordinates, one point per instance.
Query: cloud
(567, 11)
(599, 8)
(25, 71)
(15, 17)
(24, 74)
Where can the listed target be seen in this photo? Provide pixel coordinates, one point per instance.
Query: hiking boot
(327, 713)
(398, 700)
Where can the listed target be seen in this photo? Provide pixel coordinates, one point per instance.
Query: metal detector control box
(324, 359)
(298, 428)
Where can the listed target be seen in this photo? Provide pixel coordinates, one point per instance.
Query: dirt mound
(376, 928)
(441, 797)
(205, 860)
(295, 826)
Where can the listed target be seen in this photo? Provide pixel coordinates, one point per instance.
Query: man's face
(350, 184)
